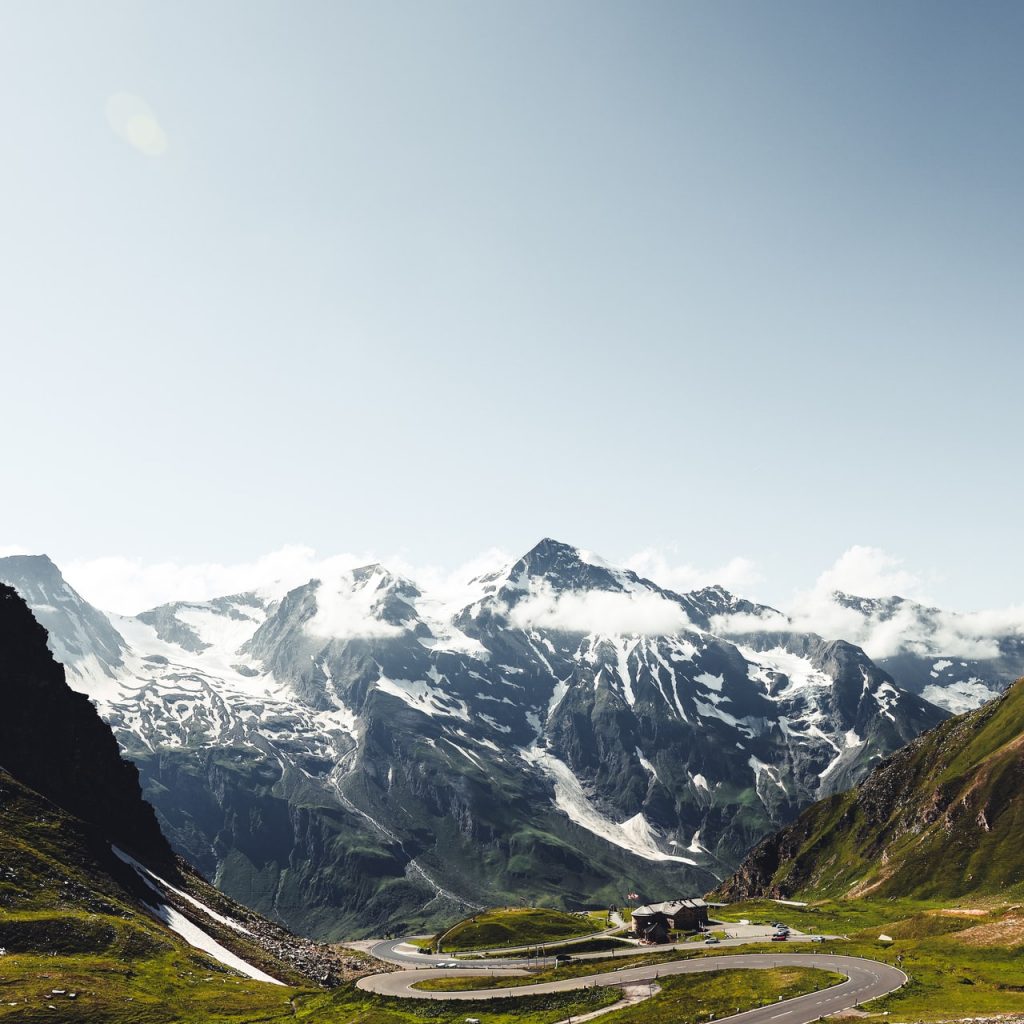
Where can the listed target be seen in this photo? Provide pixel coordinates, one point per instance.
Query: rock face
(85, 865)
(53, 741)
(357, 755)
(941, 818)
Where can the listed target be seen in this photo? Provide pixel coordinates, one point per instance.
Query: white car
(448, 963)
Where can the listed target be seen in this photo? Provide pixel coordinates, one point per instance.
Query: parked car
(780, 937)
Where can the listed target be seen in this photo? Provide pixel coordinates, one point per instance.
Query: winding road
(866, 980)
(401, 953)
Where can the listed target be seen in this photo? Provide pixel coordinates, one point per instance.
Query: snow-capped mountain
(357, 753)
(953, 660)
(957, 661)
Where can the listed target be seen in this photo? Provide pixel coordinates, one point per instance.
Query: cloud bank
(738, 575)
(128, 586)
(887, 628)
(599, 611)
(345, 612)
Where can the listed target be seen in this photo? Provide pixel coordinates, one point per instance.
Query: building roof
(669, 908)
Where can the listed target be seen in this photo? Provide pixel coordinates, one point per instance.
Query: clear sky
(719, 279)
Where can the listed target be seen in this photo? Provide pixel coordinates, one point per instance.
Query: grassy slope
(514, 927)
(692, 998)
(960, 964)
(941, 818)
(66, 923)
(682, 997)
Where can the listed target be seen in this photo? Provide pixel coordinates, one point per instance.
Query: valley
(913, 869)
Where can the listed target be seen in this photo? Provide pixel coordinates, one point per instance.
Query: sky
(708, 284)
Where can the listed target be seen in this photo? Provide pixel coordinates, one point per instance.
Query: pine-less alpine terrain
(404, 760)
(356, 755)
(942, 818)
(101, 923)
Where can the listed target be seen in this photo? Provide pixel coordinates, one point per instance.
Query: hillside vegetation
(941, 818)
(963, 958)
(76, 939)
(518, 926)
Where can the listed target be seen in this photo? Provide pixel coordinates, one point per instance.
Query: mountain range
(357, 755)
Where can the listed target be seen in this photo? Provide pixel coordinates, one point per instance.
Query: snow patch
(150, 876)
(963, 695)
(196, 937)
(646, 764)
(635, 834)
(423, 697)
(762, 770)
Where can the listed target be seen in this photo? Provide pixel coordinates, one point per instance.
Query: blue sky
(719, 279)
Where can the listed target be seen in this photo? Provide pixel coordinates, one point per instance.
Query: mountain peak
(565, 567)
(79, 634)
(33, 567)
(380, 577)
(548, 548)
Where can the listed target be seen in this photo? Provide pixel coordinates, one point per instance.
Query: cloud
(745, 623)
(737, 575)
(868, 572)
(128, 585)
(342, 611)
(888, 629)
(599, 611)
(132, 120)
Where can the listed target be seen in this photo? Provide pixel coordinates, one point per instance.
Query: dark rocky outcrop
(53, 740)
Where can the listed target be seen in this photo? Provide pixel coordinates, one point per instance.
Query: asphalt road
(866, 979)
(390, 951)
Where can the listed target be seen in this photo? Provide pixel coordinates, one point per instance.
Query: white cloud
(128, 585)
(995, 622)
(737, 575)
(343, 611)
(911, 627)
(132, 120)
(599, 611)
(868, 572)
(738, 625)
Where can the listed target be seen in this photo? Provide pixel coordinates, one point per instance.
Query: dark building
(654, 921)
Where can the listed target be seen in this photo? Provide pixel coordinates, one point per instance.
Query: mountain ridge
(940, 818)
(355, 737)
